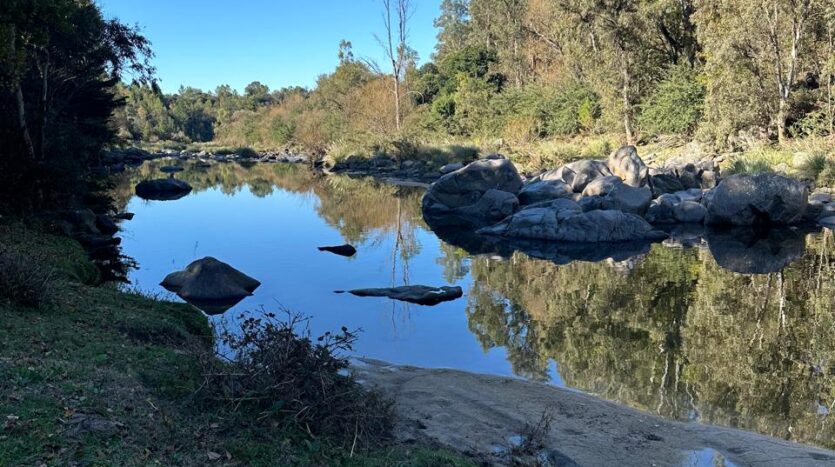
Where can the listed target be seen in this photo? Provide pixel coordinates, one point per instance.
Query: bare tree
(787, 18)
(396, 16)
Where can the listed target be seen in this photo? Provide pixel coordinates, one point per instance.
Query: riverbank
(101, 376)
(503, 421)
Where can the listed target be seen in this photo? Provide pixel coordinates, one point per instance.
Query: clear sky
(278, 42)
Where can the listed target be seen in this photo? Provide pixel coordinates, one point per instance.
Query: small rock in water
(124, 216)
(828, 222)
(342, 250)
(211, 285)
(420, 294)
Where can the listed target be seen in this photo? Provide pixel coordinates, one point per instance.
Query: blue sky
(278, 42)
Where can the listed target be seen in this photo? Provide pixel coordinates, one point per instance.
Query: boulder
(560, 204)
(341, 250)
(83, 222)
(570, 226)
(163, 189)
(419, 294)
(578, 174)
(106, 225)
(626, 164)
(762, 199)
(452, 167)
(665, 183)
(210, 284)
(479, 194)
(602, 186)
(543, 190)
(828, 222)
(621, 197)
(689, 212)
(124, 216)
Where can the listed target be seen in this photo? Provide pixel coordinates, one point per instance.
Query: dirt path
(486, 416)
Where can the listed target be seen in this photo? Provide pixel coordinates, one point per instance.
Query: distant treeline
(523, 70)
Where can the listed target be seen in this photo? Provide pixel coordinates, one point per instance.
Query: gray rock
(819, 197)
(626, 164)
(479, 194)
(106, 225)
(210, 284)
(419, 294)
(570, 226)
(766, 198)
(543, 190)
(451, 167)
(163, 189)
(708, 179)
(560, 204)
(82, 221)
(602, 186)
(665, 183)
(690, 212)
(578, 174)
(621, 197)
(828, 222)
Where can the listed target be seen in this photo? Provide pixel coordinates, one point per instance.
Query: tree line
(59, 63)
(524, 70)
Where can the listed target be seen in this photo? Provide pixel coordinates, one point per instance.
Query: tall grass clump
(271, 371)
(25, 281)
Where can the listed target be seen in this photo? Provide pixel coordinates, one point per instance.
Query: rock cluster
(616, 200)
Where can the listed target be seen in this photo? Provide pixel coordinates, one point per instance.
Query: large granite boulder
(620, 197)
(626, 164)
(544, 190)
(571, 226)
(663, 183)
(762, 199)
(163, 189)
(210, 284)
(578, 174)
(479, 194)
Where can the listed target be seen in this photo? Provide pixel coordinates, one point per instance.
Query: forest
(542, 80)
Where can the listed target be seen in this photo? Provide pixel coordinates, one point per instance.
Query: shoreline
(485, 416)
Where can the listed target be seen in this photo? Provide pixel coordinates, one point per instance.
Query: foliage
(279, 375)
(675, 107)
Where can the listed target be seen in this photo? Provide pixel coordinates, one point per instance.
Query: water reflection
(674, 328)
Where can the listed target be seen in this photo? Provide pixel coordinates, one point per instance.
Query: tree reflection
(676, 334)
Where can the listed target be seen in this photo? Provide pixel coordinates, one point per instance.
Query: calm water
(671, 330)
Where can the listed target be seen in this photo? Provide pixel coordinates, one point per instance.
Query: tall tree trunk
(781, 119)
(627, 107)
(396, 102)
(18, 91)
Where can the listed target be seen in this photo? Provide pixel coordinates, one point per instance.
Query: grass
(106, 377)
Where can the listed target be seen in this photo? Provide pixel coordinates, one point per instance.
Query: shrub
(24, 280)
(279, 375)
(246, 152)
(812, 167)
(676, 105)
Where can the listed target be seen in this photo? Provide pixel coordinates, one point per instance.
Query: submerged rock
(419, 294)
(570, 226)
(210, 285)
(163, 189)
(341, 250)
(763, 199)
